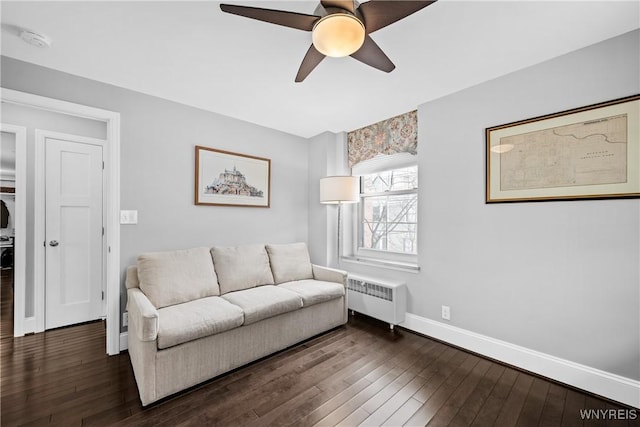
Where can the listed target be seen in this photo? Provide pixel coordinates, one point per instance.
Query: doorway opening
(12, 223)
(111, 253)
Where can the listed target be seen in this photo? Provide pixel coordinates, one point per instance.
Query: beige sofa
(197, 313)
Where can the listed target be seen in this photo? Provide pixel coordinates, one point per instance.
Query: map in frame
(586, 153)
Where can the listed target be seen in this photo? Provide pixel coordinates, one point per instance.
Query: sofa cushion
(196, 319)
(315, 291)
(168, 278)
(264, 302)
(289, 262)
(241, 267)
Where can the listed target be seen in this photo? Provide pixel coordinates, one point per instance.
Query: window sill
(391, 265)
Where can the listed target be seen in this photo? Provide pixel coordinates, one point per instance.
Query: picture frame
(591, 152)
(225, 178)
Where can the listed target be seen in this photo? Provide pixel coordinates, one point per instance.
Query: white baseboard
(611, 386)
(124, 341)
(29, 325)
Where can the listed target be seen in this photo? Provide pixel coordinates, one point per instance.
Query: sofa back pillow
(169, 278)
(241, 267)
(290, 262)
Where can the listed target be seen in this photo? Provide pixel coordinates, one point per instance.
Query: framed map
(224, 178)
(591, 152)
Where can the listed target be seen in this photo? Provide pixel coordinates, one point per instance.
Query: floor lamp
(339, 190)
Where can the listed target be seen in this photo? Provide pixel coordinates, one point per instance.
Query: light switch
(128, 217)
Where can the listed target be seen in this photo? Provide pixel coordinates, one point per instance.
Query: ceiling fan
(338, 28)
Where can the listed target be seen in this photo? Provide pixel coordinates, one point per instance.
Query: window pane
(389, 223)
(398, 179)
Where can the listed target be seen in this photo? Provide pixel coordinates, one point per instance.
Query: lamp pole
(339, 190)
(339, 233)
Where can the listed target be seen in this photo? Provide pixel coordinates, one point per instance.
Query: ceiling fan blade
(310, 61)
(295, 20)
(371, 54)
(342, 4)
(380, 13)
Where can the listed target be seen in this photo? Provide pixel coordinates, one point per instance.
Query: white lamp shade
(339, 189)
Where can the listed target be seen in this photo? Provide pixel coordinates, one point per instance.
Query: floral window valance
(398, 134)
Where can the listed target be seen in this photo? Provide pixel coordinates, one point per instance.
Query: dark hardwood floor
(6, 303)
(358, 374)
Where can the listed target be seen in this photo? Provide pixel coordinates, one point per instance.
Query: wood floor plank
(325, 408)
(363, 367)
(438, 373)
(381, 412)
(359, 373)
(438, 399)
(110, 416)
(386, 393)
(553, 406)
(354, 419)
(295, 413)
(278, 411)
(353, 404)
(404, 413)
(515, 401)
(476, 400)
(375, 361)
(494, 403)
(450, 409)
(532, 409)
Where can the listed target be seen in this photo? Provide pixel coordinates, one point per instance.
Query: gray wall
(157, 166)
(326, 158)
(318, 164)
(33, 119)
(558, 277)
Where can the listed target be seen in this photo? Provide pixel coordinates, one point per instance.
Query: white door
(73, 229)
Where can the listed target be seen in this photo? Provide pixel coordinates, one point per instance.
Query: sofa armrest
(143, 316)
(329, 274)
(131, 280)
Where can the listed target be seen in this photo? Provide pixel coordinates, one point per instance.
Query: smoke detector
(35, 39)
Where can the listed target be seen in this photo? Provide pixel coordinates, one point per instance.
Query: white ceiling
(193, 53)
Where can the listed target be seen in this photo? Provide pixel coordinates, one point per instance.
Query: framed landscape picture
(591, 152)
(224, 178)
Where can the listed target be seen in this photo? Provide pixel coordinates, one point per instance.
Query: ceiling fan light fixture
(338, 35)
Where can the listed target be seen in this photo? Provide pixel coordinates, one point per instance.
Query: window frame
(393, 257)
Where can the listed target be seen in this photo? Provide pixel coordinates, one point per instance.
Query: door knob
(53, 243)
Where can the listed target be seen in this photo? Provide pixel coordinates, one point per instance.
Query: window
(388, 214)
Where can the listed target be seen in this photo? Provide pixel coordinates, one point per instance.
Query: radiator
(383, 300)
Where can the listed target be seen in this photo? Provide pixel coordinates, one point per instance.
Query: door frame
(111, 154)
(20, 224)
(40, 285)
